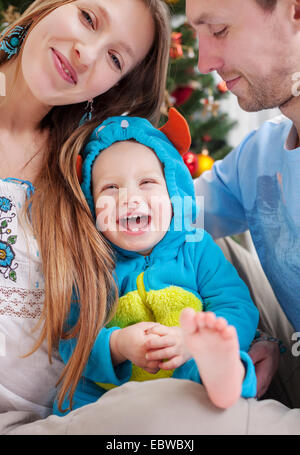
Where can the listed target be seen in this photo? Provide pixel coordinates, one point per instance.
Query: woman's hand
(130, 344)
(169, 348)
(265, 356)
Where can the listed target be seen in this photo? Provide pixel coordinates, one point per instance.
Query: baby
(183, 311)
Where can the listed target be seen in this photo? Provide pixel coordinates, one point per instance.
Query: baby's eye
(110, 187)
(145, 182)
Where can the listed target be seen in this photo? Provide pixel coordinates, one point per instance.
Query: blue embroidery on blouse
(8, 265)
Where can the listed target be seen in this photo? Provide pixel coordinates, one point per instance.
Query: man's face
(254, 51)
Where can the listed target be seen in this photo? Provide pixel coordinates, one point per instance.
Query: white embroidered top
(25, 383)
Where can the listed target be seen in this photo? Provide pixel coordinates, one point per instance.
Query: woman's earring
(89, 109)
(88, 112)
(11, 44)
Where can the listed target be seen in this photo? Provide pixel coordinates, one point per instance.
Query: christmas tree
(194, 95)
(10, 10)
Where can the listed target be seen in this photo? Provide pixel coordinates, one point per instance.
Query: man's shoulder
(276, 125)
(278, 120)
(274, 132)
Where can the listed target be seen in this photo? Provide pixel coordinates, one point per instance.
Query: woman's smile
(64, 67)
(67, 46)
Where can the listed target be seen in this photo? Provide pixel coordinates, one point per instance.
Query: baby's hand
(130, 344)
(169, 346)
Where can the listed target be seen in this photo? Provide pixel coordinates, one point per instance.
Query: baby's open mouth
(135, 223)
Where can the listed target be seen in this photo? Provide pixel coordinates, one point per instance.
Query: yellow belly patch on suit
(163, 306)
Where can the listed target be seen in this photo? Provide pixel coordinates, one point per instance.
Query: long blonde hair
(75, 257)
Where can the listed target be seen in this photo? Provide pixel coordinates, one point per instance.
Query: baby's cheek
(103, 221)
(105, 213)
(164, 214)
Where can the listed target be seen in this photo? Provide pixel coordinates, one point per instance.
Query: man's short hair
(267, 5)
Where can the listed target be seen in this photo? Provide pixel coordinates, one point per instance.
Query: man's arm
(223, 208)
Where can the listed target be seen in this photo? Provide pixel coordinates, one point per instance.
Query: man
(254, 45)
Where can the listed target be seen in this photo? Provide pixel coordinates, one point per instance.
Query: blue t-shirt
(256, 187)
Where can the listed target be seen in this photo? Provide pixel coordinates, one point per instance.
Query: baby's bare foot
(215, 348)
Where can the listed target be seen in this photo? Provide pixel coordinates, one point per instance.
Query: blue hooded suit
(185, 269)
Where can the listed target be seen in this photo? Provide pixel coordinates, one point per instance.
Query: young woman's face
(83, 48)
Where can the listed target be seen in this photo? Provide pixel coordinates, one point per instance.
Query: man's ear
(296, 5)
(291, 10)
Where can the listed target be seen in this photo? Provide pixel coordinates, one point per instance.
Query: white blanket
(161, 407)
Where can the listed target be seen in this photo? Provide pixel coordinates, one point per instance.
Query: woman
(111, 55)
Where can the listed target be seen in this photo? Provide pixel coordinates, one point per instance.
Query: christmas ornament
(215, 108)
(222, 87)
(190, 52)
(182, 94)
(191, 160)
(196, 85)
(176, 50)
(205, 163)
(210, 105)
